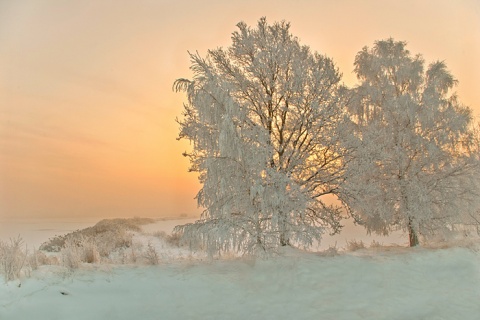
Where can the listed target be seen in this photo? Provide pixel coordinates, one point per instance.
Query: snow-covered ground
(375, 283)
(436, 284)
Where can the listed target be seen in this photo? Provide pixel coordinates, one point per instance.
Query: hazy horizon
(87, 112)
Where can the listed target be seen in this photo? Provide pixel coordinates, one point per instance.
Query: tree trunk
(258, 229)
(260, 243)
(412, 234)
(284, 241)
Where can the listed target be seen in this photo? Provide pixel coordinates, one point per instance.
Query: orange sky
(86, 107)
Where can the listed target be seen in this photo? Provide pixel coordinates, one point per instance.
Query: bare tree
(264, 119)
(415, 165)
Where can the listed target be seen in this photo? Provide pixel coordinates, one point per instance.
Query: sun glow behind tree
(264, 118)
(275, 135)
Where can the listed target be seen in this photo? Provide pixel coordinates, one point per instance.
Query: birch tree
(416, 157)
(263, 118)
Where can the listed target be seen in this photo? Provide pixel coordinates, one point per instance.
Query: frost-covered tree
(415, 154)
(263, 118)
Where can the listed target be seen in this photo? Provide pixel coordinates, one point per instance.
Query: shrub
(376, 244)
(12, 258)
(172, 239)
(71, 255)
(133, 254)
(151, 255)
(330, 252)
(80, 250)
(90, 252)
(107, 236)
(355, 245)
(34, 259)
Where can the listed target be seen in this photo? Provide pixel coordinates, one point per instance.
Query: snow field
(367, 284)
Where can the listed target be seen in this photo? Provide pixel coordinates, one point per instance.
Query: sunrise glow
(87, 111)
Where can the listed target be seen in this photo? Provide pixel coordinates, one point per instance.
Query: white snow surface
(375, 283)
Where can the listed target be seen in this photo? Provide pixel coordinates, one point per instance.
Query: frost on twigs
(354, 245)
(39, 258)
(105, 238)
(12, 258)
(332, 251)
(264, 117)
(151, 254)
(71, 254)
(414, 163)
(79, 250)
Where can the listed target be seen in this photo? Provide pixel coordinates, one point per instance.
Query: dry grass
(108, 235)
(354, 245)
(109, 240)
(151, 255)
(332, 251)
(171, 239)
(12, 258)
(376, 244)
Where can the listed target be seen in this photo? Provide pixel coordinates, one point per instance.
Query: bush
(174, 239)
(152, 255)
(71, 256)
(107, 235)
(12, 258)
(355, 245)
(332, 251)
(134, 250)
(171, 239)
(90, 252)
(34, 260)
(376, 244)
(79, 250)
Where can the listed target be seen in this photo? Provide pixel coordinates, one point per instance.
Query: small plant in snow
(71, 254)
(355, 245)
(90, 251)
(34, 259)
(330, 252)
(151, 254)
(375, 244)
(172, 239)
(135, 248)
(160, 234)
(12, 258)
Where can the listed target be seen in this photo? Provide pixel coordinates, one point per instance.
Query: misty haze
(239, 160)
